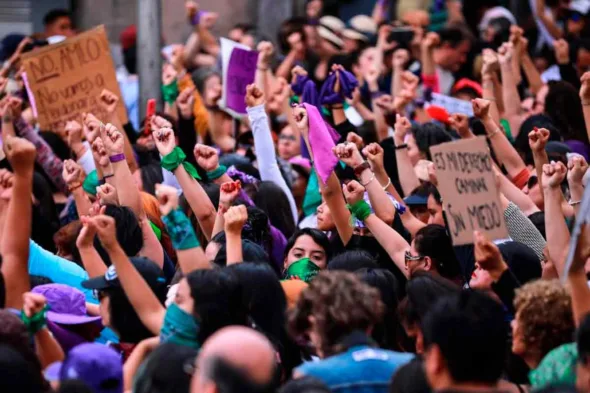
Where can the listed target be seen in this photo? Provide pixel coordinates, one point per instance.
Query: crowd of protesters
(304, 246)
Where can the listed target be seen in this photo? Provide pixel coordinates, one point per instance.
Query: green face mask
(303, 269)
(179, 327)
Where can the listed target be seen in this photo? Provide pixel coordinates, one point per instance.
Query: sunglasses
(533, 181)
(410, 258)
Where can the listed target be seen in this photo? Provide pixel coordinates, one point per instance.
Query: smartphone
(401, 35)
(149, 113)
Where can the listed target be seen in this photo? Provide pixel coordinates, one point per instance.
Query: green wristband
(360, 210)
(170, 92)
(181, 230)
(176, 158)
(36, 322)
(217, 173)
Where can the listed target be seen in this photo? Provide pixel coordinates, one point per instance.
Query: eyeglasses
(410, 258)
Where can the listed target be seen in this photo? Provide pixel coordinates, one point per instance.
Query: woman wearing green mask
(306, 253)
(206, 300)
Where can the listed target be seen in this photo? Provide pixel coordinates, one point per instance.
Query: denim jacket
(361, 369)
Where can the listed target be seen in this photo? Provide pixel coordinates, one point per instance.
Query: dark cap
(9, 44)
(149, 270)
(416, 200)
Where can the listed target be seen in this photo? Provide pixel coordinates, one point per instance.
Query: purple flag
(240, 73)
(321, 139)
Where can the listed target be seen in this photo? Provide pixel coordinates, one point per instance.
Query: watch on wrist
(359, 169)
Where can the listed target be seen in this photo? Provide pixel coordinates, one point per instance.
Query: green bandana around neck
(179, 328)
(303, 269)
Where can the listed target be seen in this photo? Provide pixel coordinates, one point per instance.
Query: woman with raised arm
(206, 301)
(265, 150)
(174, 160)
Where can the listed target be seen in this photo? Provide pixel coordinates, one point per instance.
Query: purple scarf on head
(322, 138)
(348, 83)
(306, 89)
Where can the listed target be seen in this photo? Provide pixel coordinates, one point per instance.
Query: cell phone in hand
(149, 113)
(401, 35)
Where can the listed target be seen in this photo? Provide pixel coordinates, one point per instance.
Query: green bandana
(156, 230)
(91, 182)
(303, 269)
(180, 328)
(170, 92)
(506, 125)
(36, 322)
(181, 230)
(312, 198)
(176, 158)
(360, 210)
(217, 173)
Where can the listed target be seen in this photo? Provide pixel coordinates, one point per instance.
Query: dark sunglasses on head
(410, 258)
(533, 181)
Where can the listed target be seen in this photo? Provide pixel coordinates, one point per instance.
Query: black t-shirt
(410, 378)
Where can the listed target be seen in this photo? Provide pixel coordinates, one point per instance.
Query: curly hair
(544, 315)
(340, 303)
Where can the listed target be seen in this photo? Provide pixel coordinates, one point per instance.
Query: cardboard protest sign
(66, 79)
(238, 71)
(467, 184)
(452, 105)
(582, 218)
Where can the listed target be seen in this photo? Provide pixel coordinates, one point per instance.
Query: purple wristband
(376, 94)
(197, 17)
(117, 158)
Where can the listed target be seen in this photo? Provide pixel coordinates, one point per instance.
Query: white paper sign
(452, 105)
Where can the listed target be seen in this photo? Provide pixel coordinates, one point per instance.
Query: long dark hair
(265, 300)
(217, 296)
(275, 204)
(564, 107)
(124, 319)
(389, 333)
